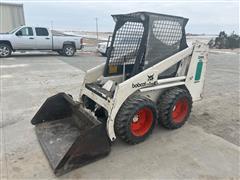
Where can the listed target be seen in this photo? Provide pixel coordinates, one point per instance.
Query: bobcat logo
(143, 84)
(150, 77)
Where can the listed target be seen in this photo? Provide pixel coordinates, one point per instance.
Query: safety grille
(168, 31)
(126, 43)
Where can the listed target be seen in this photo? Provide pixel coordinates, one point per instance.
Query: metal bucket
(69, 135)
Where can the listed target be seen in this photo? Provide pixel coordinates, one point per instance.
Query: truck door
(24, 39)
(43, 38)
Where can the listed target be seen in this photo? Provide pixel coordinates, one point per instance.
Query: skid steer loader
(153, 78)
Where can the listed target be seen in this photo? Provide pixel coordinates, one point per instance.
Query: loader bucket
(69, 135)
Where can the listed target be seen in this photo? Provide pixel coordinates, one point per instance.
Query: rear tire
(5, 50)
(68, 50)
(174, 107)
(135, 119)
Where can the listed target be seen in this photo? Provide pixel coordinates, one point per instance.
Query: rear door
(24, 39)
(43, 38)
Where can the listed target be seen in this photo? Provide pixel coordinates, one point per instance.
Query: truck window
(41, 32)
(26, 31)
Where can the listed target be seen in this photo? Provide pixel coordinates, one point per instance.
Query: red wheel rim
(180, 110)
(142, 122)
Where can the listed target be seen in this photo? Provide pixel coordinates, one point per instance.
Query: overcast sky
(204, 17)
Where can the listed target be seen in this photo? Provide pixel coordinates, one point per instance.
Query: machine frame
(190, 75)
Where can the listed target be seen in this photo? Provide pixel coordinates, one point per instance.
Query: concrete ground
(207, 147)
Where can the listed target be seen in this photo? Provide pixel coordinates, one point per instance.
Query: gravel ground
(218, 112)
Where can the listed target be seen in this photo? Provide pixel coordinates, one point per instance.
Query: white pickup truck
(38, 38)
(104, 47)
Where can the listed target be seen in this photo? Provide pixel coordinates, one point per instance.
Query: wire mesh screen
(126, 44)
(168, 32)
(164, 40)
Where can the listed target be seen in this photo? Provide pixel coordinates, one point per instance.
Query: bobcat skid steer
(153, 76)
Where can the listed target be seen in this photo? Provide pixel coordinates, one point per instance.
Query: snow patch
(13, 66)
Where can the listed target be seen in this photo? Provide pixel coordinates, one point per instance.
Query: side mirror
(19, 33)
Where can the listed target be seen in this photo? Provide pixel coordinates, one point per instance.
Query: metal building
(11, 16)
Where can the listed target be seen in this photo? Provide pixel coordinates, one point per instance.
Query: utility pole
(52, 25)
(97, 28)
(52, 31)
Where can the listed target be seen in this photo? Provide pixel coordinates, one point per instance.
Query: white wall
(11, 16)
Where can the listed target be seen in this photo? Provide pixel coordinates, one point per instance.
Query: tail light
(81, 41)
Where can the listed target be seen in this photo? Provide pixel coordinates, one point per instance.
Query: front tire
(103, 54)
(108, 52)
(69, 50)
(60, 52)
(5, 50)
(135, 119)
(174, 107)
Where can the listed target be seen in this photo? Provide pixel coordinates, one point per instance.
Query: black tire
(125, 127)
(107, 52)
(104, 54)
(69, 50)
(174, 107)
(60, 52)
(5, 50)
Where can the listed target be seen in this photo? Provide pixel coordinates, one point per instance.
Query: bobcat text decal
(143, 84)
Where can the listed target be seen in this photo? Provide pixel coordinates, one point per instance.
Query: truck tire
(108, 52)
(103, 54)
(60, 52)
(174, 107)
(69, 50)
(5, 50)
(135, 119)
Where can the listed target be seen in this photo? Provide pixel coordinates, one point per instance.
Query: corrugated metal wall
(11, 16)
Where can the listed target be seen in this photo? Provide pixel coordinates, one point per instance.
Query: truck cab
(32, 38)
